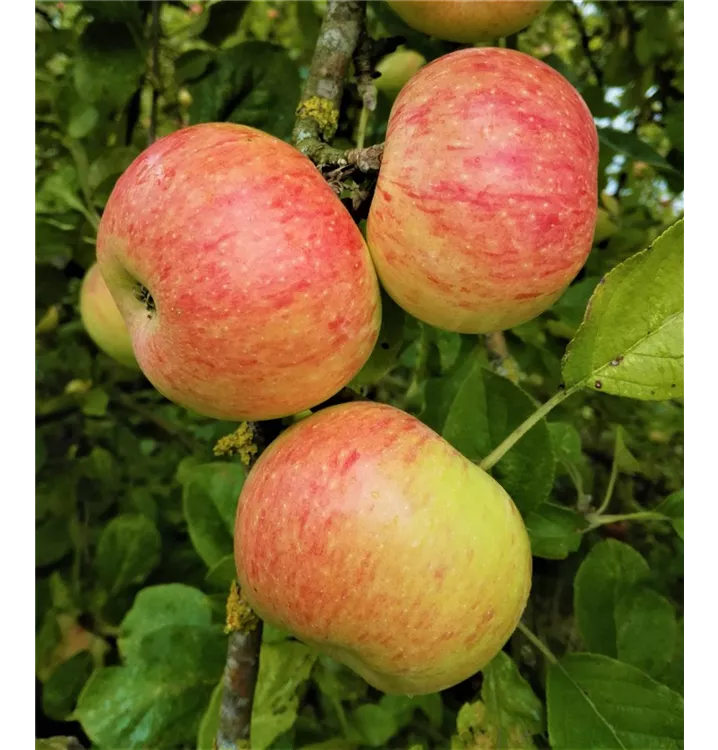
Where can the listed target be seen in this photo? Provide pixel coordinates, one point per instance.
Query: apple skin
(486, 199)
(265, 299)
(103, 321)
(468, 20)
(367, 536)
(396, 69)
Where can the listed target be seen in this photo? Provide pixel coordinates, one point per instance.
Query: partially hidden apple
(247, 288)
(396, 69)
(468, 20)
(102, 320)
(486, 200)
(366, 535)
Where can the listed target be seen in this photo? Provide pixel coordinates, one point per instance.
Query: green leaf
(207, 731)
(645, 630)
(223, 21)
(376, 724)
(58, 743)
(630, 145)
(191, 65)
(221, 575)
(625, 460)
(566, 441)
(672, 507)
(53, 244)
(109, 65)
(513, 710)
(94, 403)
(508, 714)
(111, 163)
(631, 340)
(52, 541)
(209, 498)
(570, 307)
(388, 347)
(609, 569)
(283, 668)
(555, 531)
(337, 682)
(83, 118)
(480, 409)
(156, 607)
(119, 10)
(254, 84)
(127, 552)
(62, 687)
(159, 699)
(597, 703)
(673, 675)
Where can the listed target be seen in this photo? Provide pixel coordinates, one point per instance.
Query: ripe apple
(102, 320)
(366, 535)
(396, 69)
(486, 200)
(247, 288)
(468, 20)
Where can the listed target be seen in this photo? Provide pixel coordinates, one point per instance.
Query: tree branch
(585, 43)
(364, 67)
(154, 70)
(240, 674)
(318, 110)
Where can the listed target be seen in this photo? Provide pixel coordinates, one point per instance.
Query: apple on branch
(366, 535)
(468, 20)
(247, 288)
(102, 320)
(486, 200)
(396, 69)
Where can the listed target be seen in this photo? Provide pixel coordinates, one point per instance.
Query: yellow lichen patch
(240, 442)
(240, 617)
(323, 111)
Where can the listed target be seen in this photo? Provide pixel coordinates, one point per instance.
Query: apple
(468, 20)
(486, 198)
(367, 536)
(396, 69)
(102, 320)
(247, 289)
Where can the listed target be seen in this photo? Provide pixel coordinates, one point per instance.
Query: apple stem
(596, 519)
(504, 447)
(535, 641)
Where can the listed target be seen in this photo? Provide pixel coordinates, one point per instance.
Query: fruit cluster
(249, 293)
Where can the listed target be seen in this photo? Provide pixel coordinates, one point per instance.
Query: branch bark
(586, 42)
(240, 674)
(154, 70)
(318, 110)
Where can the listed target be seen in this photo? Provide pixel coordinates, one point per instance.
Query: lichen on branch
(318, 109)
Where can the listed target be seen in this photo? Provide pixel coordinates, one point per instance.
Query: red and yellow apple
(366, 535)
(468, 20)
(102, 320)
(486, 200)
(247, 288)
(396, 69)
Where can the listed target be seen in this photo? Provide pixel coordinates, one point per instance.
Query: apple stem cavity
(142, 294)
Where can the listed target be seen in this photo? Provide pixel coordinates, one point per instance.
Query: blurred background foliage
(135, 513)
